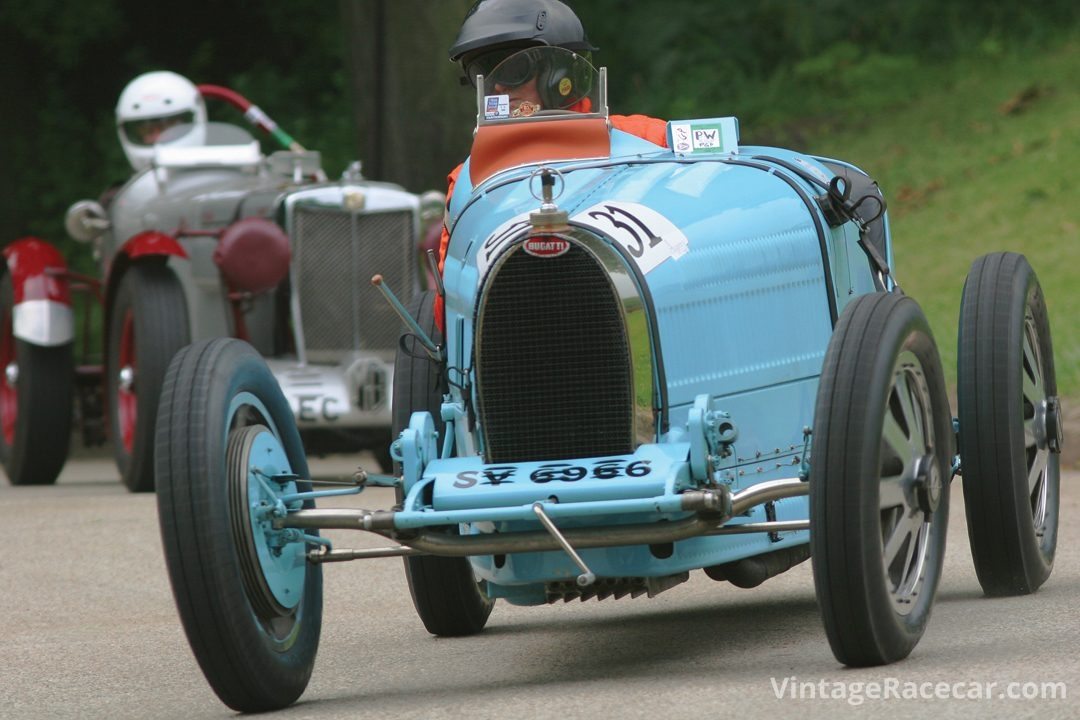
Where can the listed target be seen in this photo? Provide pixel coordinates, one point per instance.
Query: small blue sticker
(496, 106)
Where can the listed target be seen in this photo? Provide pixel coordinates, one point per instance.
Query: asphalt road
(90, 631)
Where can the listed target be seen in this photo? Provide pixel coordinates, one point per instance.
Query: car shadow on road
(959, 595)
(747, 639)
(734, 638)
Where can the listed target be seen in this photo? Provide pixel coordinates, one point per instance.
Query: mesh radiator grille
(553, 362)
(336, 253)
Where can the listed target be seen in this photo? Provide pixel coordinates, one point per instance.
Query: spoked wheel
(445, 592)
(148, 324)
(879, 480)
(228, 455)
(1010, 425)
(35, 402)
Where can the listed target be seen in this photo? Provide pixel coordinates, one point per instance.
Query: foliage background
(342, 76)
(967, 112)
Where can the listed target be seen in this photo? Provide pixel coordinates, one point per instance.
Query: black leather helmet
(508, 23)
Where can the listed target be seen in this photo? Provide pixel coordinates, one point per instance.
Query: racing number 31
(634, 232)
(649, 237)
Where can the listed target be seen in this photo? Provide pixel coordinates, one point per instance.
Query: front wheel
(227, 452)
(1010, 425)
(444, 590)
(36, 387)
(148, 323)
(879, 493)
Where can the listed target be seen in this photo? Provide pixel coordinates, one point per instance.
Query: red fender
(38, 271)
(42, 312)
(152, 242)
(149, 245)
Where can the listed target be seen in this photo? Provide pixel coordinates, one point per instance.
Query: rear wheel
(36, 386)
(148, 323)
(228, 451)
(445, 592)
(1010, 425)
(879, 492)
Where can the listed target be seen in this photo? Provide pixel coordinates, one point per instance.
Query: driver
(498, 33)
(152, 103)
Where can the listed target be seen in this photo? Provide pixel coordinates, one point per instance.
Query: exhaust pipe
(752, 571)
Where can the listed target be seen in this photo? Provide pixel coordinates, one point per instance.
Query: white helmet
(153, 102)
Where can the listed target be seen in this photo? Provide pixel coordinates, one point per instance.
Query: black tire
(36, 391)
(445, 592)
(256, 654)
(880, 465)
(148, 323)
(380, 449)
(1010, 425)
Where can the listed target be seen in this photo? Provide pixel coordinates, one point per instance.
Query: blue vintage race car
(653, 361)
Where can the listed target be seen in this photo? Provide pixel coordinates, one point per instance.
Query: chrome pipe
(611, 536)
(435, 542)
(767, 491)
(438, 545)
(714, 503)
(380, 521)
(361, 554)
(771, 526)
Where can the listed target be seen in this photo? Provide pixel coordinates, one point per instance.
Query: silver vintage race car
(214, 239)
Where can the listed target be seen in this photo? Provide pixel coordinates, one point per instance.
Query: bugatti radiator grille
(553, 361)
(336, 252)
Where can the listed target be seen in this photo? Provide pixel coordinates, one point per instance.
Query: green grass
(965, 176)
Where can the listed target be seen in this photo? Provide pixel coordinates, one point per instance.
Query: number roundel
(648, 237)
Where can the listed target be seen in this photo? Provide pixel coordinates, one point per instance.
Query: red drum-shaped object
(253, 254)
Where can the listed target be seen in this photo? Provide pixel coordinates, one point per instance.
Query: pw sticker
(716, 135)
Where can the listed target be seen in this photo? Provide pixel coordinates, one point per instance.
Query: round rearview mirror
(86, 220)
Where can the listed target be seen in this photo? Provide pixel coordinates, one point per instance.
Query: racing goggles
(147, 131)
(509, 67)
